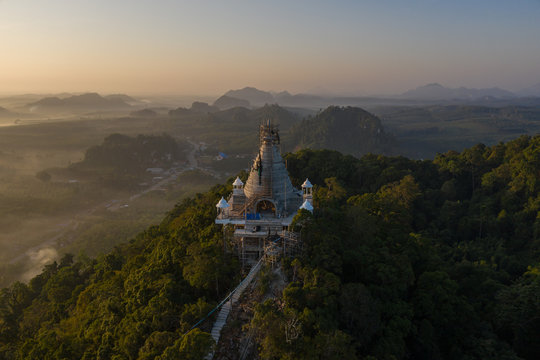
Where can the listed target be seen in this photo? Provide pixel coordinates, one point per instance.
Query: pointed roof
(307, 206)
(268, 177)
(307, 184)
(238, 182)
(222, 204)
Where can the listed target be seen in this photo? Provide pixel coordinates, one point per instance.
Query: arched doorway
(266, 207)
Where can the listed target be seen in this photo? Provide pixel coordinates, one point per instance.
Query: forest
(402, 259)
(122, 160)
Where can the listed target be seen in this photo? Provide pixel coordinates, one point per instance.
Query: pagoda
(262, 209)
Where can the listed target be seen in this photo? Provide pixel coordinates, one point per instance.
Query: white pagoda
(262, 209)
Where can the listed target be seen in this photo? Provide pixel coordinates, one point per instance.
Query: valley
(51, 205)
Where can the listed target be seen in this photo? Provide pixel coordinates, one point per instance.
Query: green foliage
(133, 303)
(192, 346)
(122, 160)
(413, 259)
(401, 259)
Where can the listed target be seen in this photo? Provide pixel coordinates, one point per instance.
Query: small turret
(221, 206)
(307, 192)
(238, 187)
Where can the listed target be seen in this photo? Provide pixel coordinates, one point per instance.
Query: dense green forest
(414, 259)
(139, 301)
(402, 259)
(122, 160)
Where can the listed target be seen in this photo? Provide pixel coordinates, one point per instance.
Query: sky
(207, 47)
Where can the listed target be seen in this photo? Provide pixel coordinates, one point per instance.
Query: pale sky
(207, 47)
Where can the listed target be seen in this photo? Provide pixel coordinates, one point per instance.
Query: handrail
(228, 296)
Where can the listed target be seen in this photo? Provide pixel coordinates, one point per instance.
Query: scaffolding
(287, 244)
(262, 208)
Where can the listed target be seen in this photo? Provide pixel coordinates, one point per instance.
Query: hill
(144, 113)
(122, 160)
(85, 102)
(346, 129)
(253, 95)
(231, 131)
(252, 118)
(123, 98)
(226, 102)
(531, 91)
(202, 108)
(402, 259)
(109, 307)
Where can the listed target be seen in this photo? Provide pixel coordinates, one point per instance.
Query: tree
(195, 345)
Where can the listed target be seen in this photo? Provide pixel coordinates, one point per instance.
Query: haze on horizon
(208, 47)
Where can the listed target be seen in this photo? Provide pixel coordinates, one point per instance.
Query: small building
(262, 209)
(221, 156)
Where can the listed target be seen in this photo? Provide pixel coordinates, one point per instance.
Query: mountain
(438, 92)
(227, 102)
(84, 102)
(254, 96)
(531, 91)
(144, 113)
(202, 107)
(122, 97)
(349, 130)
(282, 95)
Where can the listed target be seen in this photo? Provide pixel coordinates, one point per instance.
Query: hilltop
(85, 102)
(227, 102)
(350, 130)
(402, 259)
(253, 95)
(121, 161)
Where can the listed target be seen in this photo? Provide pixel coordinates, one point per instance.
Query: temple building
(262, 209)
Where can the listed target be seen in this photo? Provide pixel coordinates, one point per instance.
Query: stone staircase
(223, 314)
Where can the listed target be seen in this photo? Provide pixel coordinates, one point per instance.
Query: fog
(37, 259)
(53, 201)
(48, 209)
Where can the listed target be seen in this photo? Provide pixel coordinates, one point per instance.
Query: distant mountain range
(530, 91)
(438, 92)
(86, 102)
(431, 93)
